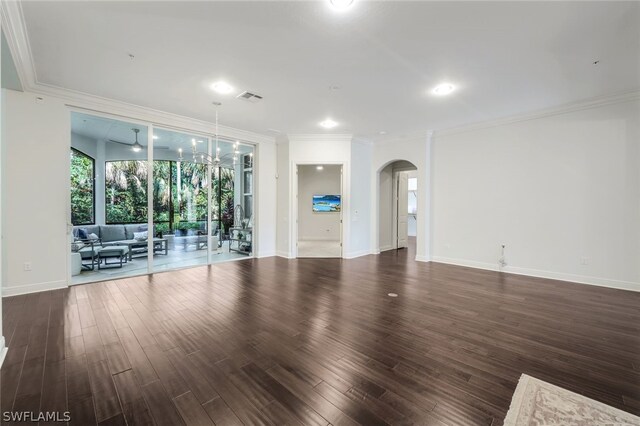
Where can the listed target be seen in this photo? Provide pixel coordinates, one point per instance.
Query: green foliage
(179, 194)
(126, 191)
(81, 188)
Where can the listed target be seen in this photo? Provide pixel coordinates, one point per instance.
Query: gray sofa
(112, 234)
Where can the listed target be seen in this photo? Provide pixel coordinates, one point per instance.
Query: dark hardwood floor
(315, 342)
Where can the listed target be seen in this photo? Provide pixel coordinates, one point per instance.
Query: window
(82, 188)
(125, 191)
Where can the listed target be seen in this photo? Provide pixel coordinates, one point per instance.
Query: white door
(402, 208)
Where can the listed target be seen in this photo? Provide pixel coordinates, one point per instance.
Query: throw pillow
(82, 233)
(93, 236)
(140, 236)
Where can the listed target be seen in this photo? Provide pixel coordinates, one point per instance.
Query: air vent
(250, 97)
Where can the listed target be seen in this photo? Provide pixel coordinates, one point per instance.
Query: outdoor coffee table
(139, 248)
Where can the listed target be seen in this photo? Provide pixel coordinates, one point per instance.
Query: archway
(397, 205)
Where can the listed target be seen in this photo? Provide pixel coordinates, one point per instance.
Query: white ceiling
(505, 58)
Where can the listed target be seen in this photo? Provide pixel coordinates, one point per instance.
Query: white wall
(35, 176)
(562, 192)
(318, 226)
(264, 195)
(361, 186)
(385, 218)
(283, 247)
(3, 347)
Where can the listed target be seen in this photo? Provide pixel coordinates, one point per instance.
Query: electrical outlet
(27, 266)
(584, 260)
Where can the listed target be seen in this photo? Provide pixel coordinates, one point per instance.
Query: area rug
(538, 403)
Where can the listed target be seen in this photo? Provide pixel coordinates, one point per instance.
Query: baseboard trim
(17, 290)
(422, 258)
(561, 276)
(283, 254)
(267, 254)
(385, 248)
(355, 254)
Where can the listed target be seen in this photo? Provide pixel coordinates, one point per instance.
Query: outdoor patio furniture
(112, 252)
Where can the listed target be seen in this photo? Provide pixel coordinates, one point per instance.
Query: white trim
(358, 253)
(18, 41)
(284, 254)
(546, 112)
(312, 137)
(561, 276)
(423, 258)
(385, 248)
(3, 350)
(267, 254)
(8, 291)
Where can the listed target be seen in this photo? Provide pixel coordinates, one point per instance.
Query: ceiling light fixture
(319, 167)
(443, 89)
(222, 87)
(136, 147)
(341, 5)
(328, 123)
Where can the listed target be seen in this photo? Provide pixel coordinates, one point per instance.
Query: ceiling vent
(249, 97)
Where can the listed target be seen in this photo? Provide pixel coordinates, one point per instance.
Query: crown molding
(12, 19)
(15, 30)
(362, 141)
(92, 103)
(420, 136)
(320, 137)
(581, 105)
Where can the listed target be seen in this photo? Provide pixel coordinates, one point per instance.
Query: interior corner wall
(282, 200)
(562, 192)
(264, 194)
(361, 186)
(35, 169)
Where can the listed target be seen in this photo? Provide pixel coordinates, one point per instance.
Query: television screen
(326, 203)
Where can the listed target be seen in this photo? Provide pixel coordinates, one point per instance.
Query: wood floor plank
(315, 341)
(134, 406)
(191, 410)
(162, 408)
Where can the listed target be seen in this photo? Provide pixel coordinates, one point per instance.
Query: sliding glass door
(167, 199)
(180, 199)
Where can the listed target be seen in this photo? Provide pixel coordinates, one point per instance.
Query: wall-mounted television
(326, 203)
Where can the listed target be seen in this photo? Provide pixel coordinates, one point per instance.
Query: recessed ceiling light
(382, 132)
(328, 123)
(222, 87)
(443, 89)
(341, 5)
(319, 167)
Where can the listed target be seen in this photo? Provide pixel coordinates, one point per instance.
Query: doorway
(397, 206)
(319, 218)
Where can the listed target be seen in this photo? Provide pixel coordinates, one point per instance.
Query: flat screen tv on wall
(326, 203)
